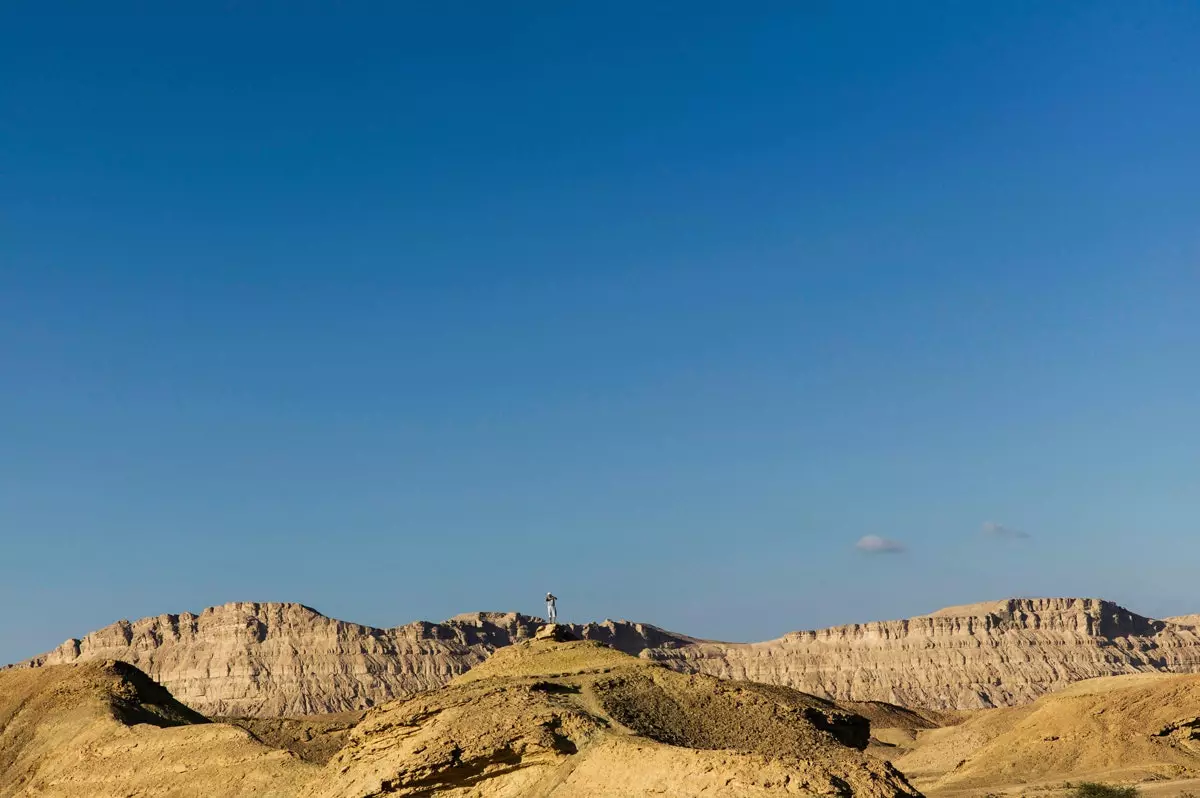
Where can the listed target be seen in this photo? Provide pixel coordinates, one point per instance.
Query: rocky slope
(275, 660)
(104, 730)
(554, 719)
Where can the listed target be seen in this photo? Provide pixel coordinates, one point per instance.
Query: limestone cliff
(981, 655)
(274, 660)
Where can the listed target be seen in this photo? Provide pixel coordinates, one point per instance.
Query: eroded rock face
(981, 655)
(275, 660)
(272, 660)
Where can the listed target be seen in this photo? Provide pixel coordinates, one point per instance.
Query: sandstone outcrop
(268, 660)
(1000, 653)
(279, 660)
(549, 719)
(540, 719)
(1184, 620)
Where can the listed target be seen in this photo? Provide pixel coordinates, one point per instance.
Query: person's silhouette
(550, 608)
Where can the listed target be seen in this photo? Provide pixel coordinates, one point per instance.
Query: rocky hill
(543, 718)
(104, 730)
(274, 660)
(550, 718)
(1137, 728)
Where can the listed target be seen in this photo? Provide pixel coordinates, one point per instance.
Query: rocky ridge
(272, 660)
(276, 660)
(1000, 653)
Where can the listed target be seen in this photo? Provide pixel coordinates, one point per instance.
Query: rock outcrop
(982, 655)
(105, 730)
(541, 719)
(1184, 620)
(277, 660)
(550, 719)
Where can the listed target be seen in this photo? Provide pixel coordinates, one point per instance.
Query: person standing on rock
(550, 608)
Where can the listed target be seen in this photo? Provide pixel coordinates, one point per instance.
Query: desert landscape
(1014, 697)
(599, 400)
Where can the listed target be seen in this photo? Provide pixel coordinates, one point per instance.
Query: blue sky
(406, 310)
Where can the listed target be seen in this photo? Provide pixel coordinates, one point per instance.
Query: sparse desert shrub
(1091, 789)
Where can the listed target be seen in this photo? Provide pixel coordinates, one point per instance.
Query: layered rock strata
(981, 655)
(277, 660)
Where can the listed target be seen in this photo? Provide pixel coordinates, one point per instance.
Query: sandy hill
(276, 660)
(105, 730)
(1122, 728)
(551, 719)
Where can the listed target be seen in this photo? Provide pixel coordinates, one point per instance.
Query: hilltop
(581, 720)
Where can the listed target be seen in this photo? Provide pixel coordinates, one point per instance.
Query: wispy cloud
(873, 544)
(994, 530)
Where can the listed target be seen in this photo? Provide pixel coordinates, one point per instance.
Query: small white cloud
(873, 544)
(995, 530)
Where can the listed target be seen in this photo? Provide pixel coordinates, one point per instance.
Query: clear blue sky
(403, 310)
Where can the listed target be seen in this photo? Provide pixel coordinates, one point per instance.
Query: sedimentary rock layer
(993, 654)
(275, 660)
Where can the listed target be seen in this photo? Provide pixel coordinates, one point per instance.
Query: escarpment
(278, 660)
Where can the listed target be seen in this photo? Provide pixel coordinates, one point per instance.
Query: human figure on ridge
(550, 609)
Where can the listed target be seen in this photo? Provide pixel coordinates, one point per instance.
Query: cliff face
(273, 660)
(981, 655)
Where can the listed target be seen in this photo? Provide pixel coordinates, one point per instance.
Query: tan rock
(275, 660)
(992, 654)
(1113, 729)
(1184, 620)
(105, 730)
(546, 719)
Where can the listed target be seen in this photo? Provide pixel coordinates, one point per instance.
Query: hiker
(550, 610)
